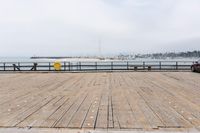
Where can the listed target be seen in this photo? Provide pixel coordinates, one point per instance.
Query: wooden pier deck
(114, 101)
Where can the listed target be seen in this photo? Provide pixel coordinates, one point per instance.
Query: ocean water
(28, 59)
(23, 59)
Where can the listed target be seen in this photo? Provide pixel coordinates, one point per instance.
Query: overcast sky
(76, 27)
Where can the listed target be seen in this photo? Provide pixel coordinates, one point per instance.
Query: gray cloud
(64, 27)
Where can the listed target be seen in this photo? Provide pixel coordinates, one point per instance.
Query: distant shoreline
(50, 57)
(68, 57)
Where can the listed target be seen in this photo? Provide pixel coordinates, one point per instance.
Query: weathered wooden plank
(66, 118)
(91, 118)
(116, 124)
(123, 110)
(12, 113)
(24, 115)
(168, 116)
(41, 115)
(143, 113)
(187, 109)
(100, 100)
(73, 94)
(102, 118)
(38, 116)
(110, 113)
(78, 119)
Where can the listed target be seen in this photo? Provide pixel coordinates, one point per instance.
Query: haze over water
(27, 59)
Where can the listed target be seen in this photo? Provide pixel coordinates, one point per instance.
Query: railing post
(19, 65)
(96, 65)
(35, 66)
(69, 66)
(111, 65)
(143, 65)
(4, 66)
(127, 65)
(64, 66)
(14, 67)
(49, 66)
(135, 68)
(176, 65)
(80, 65)
(149, 68)
(160, 65)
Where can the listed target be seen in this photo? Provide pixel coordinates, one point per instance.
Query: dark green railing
(98, 66)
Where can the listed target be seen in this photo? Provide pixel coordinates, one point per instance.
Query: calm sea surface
(23, 59)
(27, 59)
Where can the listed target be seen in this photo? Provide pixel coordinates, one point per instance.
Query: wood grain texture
(136, 100)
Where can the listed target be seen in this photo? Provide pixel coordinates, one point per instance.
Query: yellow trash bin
(57, 66)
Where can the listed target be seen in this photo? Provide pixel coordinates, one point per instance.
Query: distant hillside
(188, 54)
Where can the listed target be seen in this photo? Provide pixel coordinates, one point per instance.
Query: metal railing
(98, 66)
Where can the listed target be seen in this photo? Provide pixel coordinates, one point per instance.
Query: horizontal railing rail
(97, 66)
